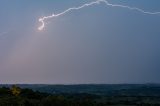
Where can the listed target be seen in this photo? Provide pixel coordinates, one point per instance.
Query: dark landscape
(80, 53)
(80, 95)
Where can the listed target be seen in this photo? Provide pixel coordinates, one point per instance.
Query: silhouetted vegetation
(16, 96)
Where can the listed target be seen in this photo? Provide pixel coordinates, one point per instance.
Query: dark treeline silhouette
(16, 96)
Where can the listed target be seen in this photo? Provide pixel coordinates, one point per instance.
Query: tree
(15, 90)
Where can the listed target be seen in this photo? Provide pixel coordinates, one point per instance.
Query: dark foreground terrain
(80, 95)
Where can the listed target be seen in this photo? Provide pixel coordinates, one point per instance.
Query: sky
(97, 44)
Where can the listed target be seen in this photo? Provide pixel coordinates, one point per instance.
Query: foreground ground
(16, 96)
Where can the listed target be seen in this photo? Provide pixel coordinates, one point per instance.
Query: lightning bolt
(43, 19)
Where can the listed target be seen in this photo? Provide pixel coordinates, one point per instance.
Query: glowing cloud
(42, 20)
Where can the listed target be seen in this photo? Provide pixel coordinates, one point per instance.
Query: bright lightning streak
(42, 20)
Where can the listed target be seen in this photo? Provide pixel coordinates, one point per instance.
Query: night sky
(97, 44)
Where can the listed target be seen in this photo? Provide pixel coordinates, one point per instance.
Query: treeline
(15, 96)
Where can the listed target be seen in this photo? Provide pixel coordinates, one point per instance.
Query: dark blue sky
(97, 44)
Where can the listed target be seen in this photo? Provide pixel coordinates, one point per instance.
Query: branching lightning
(43, 19)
